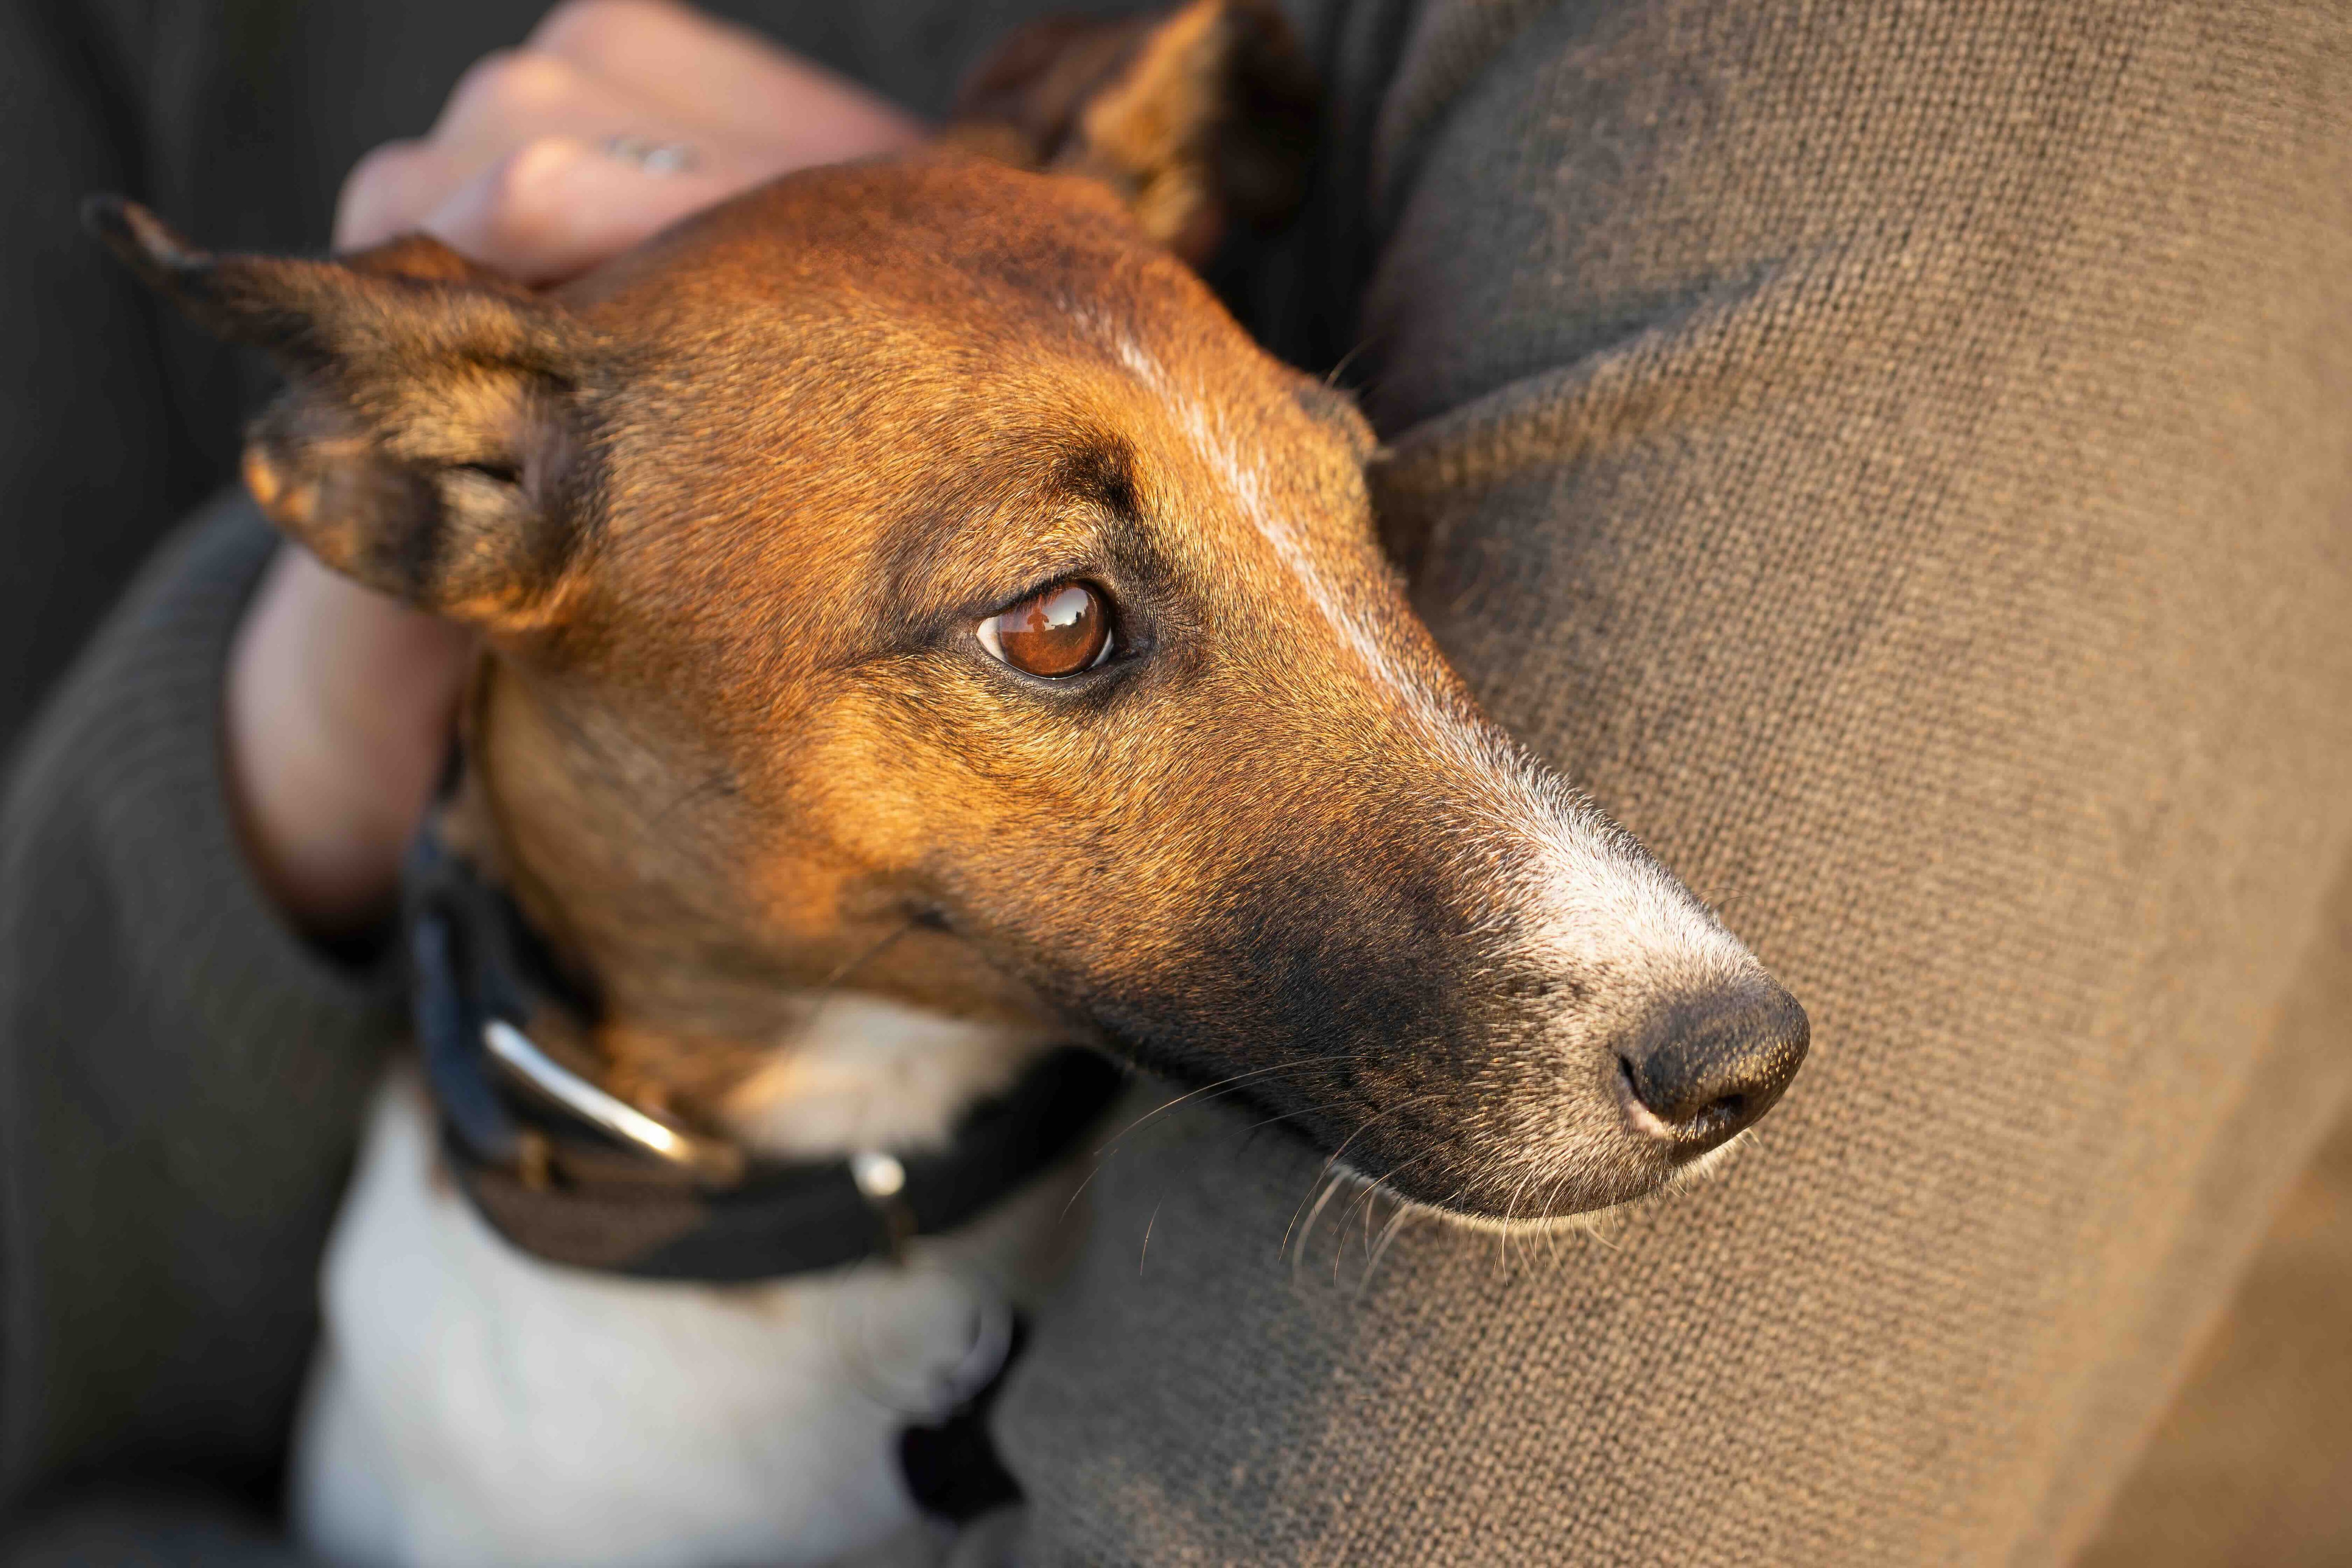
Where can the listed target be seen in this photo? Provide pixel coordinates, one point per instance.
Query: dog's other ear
(422, 445)
(1197, 117)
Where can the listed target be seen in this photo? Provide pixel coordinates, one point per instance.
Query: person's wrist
(336, 713)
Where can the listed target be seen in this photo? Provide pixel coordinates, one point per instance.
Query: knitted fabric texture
(1899, 457)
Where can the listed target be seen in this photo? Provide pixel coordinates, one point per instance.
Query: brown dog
(908, 572)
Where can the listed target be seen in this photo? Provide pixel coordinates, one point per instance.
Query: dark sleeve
(181, 1078)
(145, 1527)
(114, 421)
(1898, 458)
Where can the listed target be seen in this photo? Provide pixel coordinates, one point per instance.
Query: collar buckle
(709, 1160)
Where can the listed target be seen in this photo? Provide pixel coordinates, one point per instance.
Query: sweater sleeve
(149, 1529)
(181, 1076)
(1895, 459)
(116, 418)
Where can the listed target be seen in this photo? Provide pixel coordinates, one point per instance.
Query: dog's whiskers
(1376, 1189)
(1222, 1086)
(1332, 1160)
(1226, 1084)
(1331, 1185)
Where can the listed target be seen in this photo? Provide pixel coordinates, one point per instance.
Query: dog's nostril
(1708, 1064)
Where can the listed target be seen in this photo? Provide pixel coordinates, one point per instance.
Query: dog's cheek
(1341, 985)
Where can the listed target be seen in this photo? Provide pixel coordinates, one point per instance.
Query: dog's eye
(1059, 630)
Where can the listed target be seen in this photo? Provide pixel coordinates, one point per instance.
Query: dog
(921, 631)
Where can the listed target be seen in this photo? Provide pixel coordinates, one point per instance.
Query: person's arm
(181, 1076)
(1897, 458)
(144, 989)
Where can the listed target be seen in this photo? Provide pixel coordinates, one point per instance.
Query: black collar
(558, 1168)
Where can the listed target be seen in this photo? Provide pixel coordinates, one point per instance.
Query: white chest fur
(473, 1405)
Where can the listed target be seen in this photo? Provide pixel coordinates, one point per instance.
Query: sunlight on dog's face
(907, 576)
(969, 604)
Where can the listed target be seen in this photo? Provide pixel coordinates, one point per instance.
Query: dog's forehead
(882, 345)
(929, 247)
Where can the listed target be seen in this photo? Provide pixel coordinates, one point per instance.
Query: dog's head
(910, 567)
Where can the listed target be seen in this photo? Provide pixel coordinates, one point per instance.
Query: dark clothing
(1898, 457)
(181, 1090)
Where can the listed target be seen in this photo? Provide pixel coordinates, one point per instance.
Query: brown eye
(1059, 630)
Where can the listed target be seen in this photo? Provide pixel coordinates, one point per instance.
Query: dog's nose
(1709, 1064)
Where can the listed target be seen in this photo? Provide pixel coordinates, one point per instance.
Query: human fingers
(557, 207)
(508, 172)
(730, 81)
(512, 97)
(657, 74)
(503, 103)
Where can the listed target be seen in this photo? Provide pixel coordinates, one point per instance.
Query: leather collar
(556, 1165)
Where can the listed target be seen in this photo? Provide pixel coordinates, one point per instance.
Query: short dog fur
(739, 516)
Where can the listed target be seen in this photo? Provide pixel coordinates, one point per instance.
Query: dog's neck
(790, 1067)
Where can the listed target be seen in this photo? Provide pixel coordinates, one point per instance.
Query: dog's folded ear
(1198, 116)
(422, 445)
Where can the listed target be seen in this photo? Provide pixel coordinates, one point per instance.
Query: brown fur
(728, 510)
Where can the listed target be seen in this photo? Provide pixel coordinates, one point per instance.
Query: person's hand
(615, 119)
